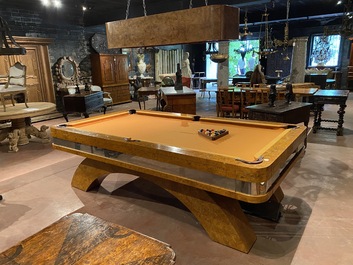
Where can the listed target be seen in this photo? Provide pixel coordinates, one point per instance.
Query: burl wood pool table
(210, 177)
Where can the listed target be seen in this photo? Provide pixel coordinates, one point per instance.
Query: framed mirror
(67, 72)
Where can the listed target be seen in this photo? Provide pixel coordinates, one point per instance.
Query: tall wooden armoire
(110, 71)
(39, 81)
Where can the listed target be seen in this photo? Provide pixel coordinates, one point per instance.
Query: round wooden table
(21, 128)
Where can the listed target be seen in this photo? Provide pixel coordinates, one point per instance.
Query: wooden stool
(85, 239)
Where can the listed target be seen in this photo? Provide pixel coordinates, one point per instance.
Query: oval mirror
(68, 70)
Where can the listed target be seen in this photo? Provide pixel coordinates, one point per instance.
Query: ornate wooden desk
(295, 112)
(83, 103)
(327, 96)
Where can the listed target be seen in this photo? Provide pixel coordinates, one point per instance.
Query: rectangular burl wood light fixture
(195, 25)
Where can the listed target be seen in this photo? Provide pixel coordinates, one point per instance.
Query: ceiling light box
(194, 25)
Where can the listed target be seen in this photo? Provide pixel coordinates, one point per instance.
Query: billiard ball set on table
(213, 134)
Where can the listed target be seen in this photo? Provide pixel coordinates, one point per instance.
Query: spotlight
(56, 3)
(45, 2)
(52, 3)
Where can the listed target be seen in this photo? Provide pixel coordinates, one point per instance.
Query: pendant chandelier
(266, 45)
(346, 27)
(215, 56)
(286, 42)
(212, 50)
(246, 32)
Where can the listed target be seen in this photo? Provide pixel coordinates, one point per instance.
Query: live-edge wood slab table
(85, 239)
(208, 177)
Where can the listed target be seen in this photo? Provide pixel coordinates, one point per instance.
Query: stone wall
(68, 40)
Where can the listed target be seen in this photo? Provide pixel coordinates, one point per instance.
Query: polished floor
(316, 226)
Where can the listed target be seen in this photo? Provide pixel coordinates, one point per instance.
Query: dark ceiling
(302, 12)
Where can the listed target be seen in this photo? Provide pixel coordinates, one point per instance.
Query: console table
(84, 102)
(329, 96)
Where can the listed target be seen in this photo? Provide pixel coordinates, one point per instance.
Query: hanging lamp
(267, 46)
(178, 27)
(246, 32)
(8, 45)
(212, 50)
(286, 41)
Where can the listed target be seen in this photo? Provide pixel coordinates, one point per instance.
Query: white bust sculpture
(185, 66)
(141, 65)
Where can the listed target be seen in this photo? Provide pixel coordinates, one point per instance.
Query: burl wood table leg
(221, 217)
(89, 174)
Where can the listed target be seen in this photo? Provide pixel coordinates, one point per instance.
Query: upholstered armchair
(16, 84)
(108, 101)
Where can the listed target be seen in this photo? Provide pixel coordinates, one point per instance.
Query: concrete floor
(316, 226)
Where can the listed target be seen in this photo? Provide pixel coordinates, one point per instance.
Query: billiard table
(210, 176)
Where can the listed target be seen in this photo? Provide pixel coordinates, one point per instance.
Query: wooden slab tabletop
(85, 239)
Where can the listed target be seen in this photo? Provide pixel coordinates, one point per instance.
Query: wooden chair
(16, 84)
(228, 104)
(248, 97)
(264, 95)
(281, 94)
(260, 88)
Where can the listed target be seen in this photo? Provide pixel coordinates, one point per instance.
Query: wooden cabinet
(110, 71)
(39, 80)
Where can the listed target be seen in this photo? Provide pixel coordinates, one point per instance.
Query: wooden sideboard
(38, 77)
(110, 71)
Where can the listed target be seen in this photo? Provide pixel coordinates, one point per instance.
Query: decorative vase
(141, 65)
